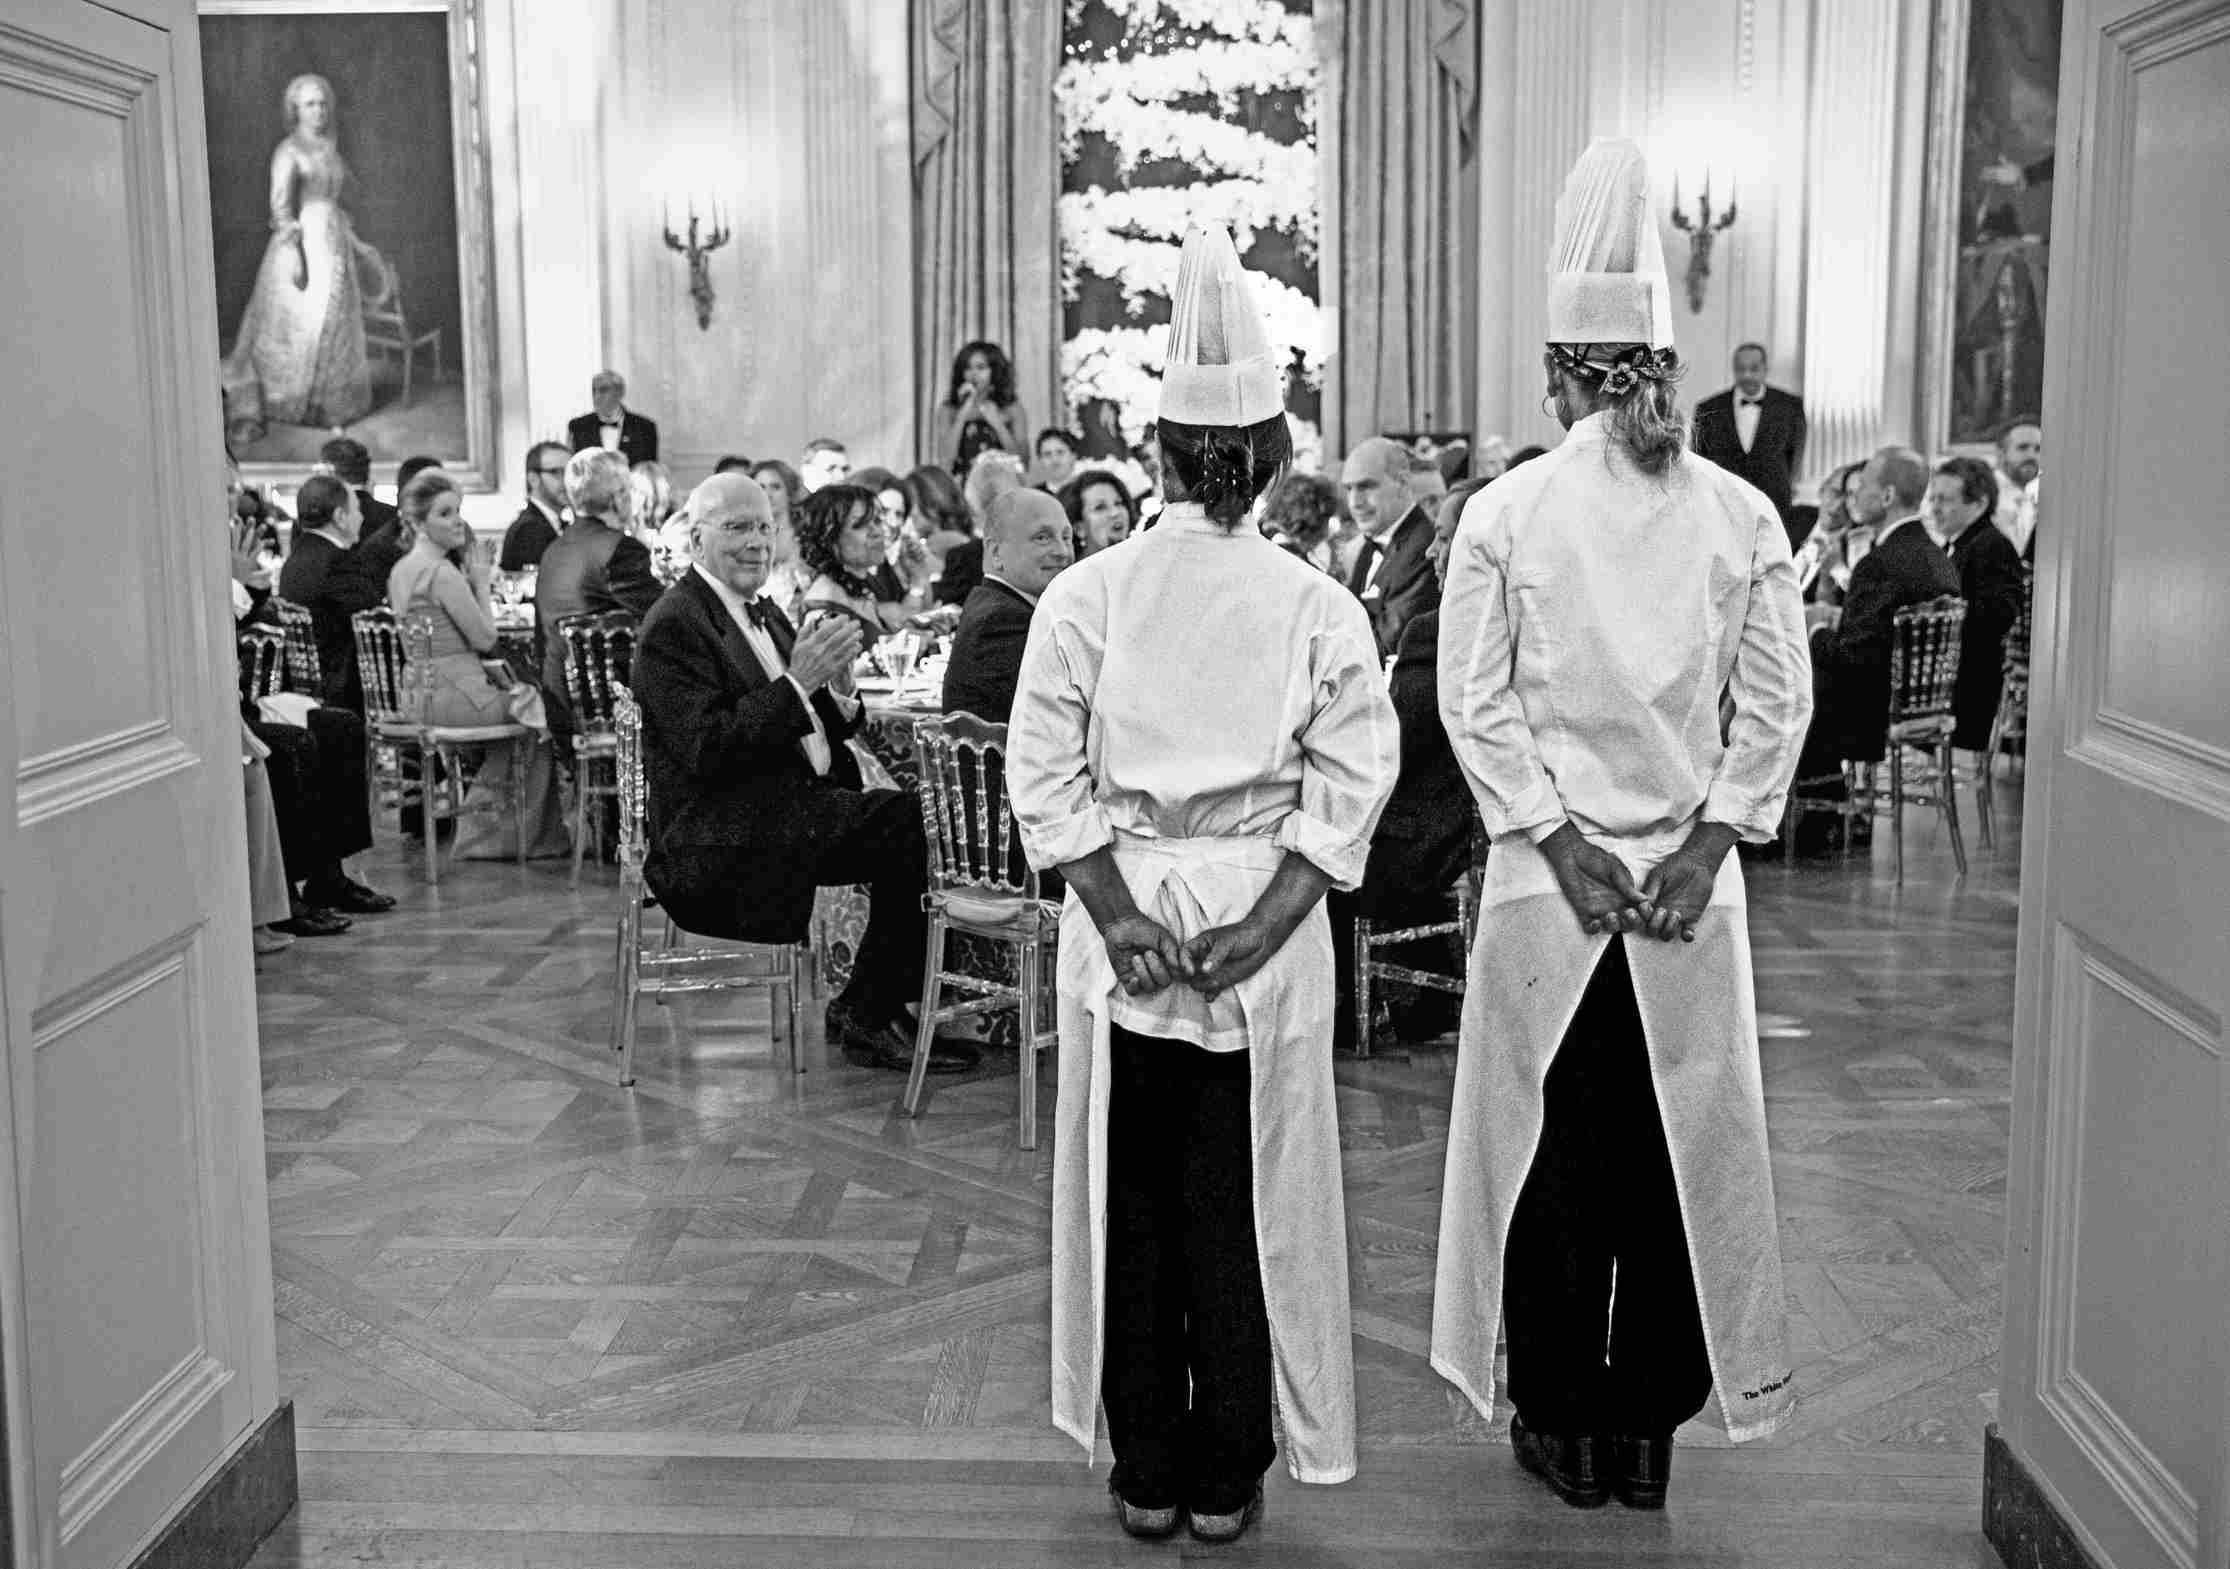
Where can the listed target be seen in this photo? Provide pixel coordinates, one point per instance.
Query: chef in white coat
(1608, 1203)
(1202, 743)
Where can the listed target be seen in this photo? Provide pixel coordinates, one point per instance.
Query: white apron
(1530, 963)
(1300, 1221)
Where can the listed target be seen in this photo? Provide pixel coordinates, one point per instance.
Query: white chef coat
(1207, 703)
(815, 745)
(1592, 616)
(1746, 415)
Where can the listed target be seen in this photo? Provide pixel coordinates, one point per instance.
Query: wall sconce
(1702, 231)
(699, 251)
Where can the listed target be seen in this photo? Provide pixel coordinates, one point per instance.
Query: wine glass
(904, 647)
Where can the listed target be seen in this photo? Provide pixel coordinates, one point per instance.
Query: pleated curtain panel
(1397, 138)
(987, 173)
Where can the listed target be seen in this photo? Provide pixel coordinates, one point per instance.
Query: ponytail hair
(1226, 467)
(1633, 384)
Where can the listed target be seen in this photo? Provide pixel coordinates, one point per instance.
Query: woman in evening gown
(298, 358)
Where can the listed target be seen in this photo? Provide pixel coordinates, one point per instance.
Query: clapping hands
(248, 569)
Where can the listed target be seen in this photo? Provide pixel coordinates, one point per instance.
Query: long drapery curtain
(1396, 137)
(987, 172)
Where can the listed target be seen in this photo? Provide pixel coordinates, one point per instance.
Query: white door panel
(2116, 1393)
(134, 1256)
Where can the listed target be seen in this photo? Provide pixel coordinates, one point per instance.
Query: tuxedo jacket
(524, 541)
(737, 817)
(1423, 840)
(638, 437)
(1775, 455)
(1905, 567)
(1405, 586)
(589, 569)
(356, 579)
(305, 580)
(377, 515)
(1991, 583)
(986, 662)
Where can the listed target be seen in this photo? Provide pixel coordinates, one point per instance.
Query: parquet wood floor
(529, 1318)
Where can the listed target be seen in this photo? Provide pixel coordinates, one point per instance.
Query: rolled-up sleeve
(1049, 779)
(1350, 753)
(1479, 703)
(1771, 688)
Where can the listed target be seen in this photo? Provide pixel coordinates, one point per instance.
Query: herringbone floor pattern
(528, 1317)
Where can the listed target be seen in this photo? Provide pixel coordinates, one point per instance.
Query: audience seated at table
(1300, 515)
(790, 577)
(1850, 652)
(754, 800)
(1390, 575)
(1962, 506)
(1100, 511)
(594, 567)
(542, 519)
(459, 688)
(840, 540)
(1422, 844)
(941, 516)
(327, 516)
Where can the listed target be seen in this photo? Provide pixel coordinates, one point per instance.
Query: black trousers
(1186, 1380)
(318, 792)
(1598, 1301)
(887, 852)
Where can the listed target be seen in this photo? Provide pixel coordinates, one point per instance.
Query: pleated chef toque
(1607, 272)
(1222, 368)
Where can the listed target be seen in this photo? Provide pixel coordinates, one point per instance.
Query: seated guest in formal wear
(905, 551)
(840, 539)
(1391, 575)
(1422, 844)
(1754, 431)
(326, 517)
(1833, 544)
(1962, 505)
(754, 799)
(1027, 544)
(940, 515)
(826, 462)
(357, 580)
(790, 577)
(350, 462)
(1850, 659)
(1056, 452)
(542, 519)
(1300, 515)
(612, 425)
(2020, 461)
(1100, 509)
(595, 566)
(459, 688)
(1428, 485)
(655, 501)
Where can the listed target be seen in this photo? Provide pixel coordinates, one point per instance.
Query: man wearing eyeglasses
(542, 519)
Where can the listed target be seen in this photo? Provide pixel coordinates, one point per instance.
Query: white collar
(548, 511)
(738, 606)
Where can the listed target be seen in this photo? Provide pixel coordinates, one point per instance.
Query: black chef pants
(1598, 1301)
(1186, 1376)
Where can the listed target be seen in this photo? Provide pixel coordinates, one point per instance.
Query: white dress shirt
(1746, 411)
(816, 745)
(1199, 684)
(608, 434)
(1377, 543)
(1592, 615)
(2016, 514)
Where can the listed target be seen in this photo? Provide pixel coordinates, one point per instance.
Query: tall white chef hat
(1222, 368)
(1607, 272)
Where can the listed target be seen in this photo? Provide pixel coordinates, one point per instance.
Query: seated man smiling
(755, 800)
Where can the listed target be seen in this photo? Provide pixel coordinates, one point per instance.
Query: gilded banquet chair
(598, 650)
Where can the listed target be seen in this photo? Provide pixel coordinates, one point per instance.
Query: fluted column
(1851, 232)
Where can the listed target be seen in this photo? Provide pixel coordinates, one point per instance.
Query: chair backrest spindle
(963, 761)
(1924, 659)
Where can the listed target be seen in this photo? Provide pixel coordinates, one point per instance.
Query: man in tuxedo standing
(610, 424)
(1393, 574)
(754, 799)
(542, 519)
(1754, 430)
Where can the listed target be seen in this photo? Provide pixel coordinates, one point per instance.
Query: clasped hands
(1148, 957)
(1602, 893)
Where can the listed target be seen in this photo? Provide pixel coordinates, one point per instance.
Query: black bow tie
(608, 424)
(760, 612)
(1760, 398)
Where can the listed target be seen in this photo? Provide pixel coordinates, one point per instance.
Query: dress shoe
(1223, 1526)
(1565, 1461)
(349, 897)
(1149, 1525)
(309, 921)
(1640, 1468)
(268, 941)
(891, 1044)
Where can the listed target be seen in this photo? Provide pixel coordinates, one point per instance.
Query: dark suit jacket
(1906, 567)
(962, 572)
(1990, 582)
(304, 580)
(737, 816)
(589, 569)
(986, 662)
(1775, 455)
(524, 541)
(1423, 841)
(356, 580)
(638, 437)
(376, 515)
(1405, 587)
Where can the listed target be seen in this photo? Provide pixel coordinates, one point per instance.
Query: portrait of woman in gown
(298, 357)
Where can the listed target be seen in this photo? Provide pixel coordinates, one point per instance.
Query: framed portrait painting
(349, 194)
(1994, 107)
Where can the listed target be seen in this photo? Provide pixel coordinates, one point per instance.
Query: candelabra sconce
(698, 246)
(1703, 231)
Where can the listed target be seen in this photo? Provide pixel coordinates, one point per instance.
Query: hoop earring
(1548, 400)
